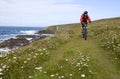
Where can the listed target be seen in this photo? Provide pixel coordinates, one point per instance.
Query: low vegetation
(108, 35)
(65, 55)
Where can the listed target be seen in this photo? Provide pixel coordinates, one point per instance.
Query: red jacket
(84, 18)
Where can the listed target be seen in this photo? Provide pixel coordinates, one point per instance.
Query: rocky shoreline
(23, 40)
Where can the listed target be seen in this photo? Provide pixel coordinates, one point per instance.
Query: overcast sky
(52, 12)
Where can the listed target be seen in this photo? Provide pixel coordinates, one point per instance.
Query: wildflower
(66, 59)
(59, 77)
(25, 61)
(114, 46)
(45, 72)
(38, 68)
(91, 72)
(83, 59)
(108, 47)
(14, 61)
(4, 66)
(22, 67)
(79, 69)
(7, 67)
(108, 42)
(70, 74)
(82, 75)
(41, 53)
(61, 66)
(78, 63)
(1, 70)
(9, 59)
(14, 57)
(52, 75)
(40, 50)
(44, 49)
(1, 78)
(81, 62)
(62, 76)
(88, 59)
(6, 58)
(32, 52)
(1, 56)
(80, 53)
(28, 59)
(56, 74)
(47, 53)
(30, 77)
(36, 54)
(112, 42)
(85, 65)
(1, 73)
(115, 58)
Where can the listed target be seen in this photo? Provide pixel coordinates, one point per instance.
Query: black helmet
(85, 12)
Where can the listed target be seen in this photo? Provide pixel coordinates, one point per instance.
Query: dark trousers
(83, 25)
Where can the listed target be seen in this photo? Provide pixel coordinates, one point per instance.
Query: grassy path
(101, 64)
(103, 67)
(101, 56)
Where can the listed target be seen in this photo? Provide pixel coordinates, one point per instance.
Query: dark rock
(23, 40)
(45, 32)
(11, 43)
(26, 36)
(19, 41)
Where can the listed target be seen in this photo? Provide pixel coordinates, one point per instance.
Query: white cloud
(39, 12)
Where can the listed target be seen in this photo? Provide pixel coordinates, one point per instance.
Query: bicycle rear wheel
(85, 33)
(84, 30)
(85, 36)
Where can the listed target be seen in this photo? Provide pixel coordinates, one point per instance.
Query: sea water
(12, 31)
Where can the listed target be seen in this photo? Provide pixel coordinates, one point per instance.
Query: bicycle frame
(85, 31)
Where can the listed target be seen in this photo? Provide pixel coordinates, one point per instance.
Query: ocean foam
(4, 50)
(28, 32)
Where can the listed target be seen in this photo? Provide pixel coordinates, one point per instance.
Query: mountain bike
(84, 31)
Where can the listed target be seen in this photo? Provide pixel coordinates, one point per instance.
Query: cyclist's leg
(86, 23)
(83, 24)
(86, 31)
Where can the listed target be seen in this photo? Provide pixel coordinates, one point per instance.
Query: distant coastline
(22, 40)
(12, 31)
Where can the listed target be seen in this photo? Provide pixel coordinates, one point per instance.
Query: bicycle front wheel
(85, 36)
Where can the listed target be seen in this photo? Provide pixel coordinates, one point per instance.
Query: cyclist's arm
(81, 18)
(89, 20)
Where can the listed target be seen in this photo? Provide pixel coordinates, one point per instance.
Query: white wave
(47, 35)
(28, 32)
(3, 50)
(1, 41)
(29, 39)
(5, 37)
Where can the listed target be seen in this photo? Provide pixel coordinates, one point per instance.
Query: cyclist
(84, 19)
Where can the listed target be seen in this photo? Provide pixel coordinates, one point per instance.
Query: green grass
(108, 35)
(66, 55)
